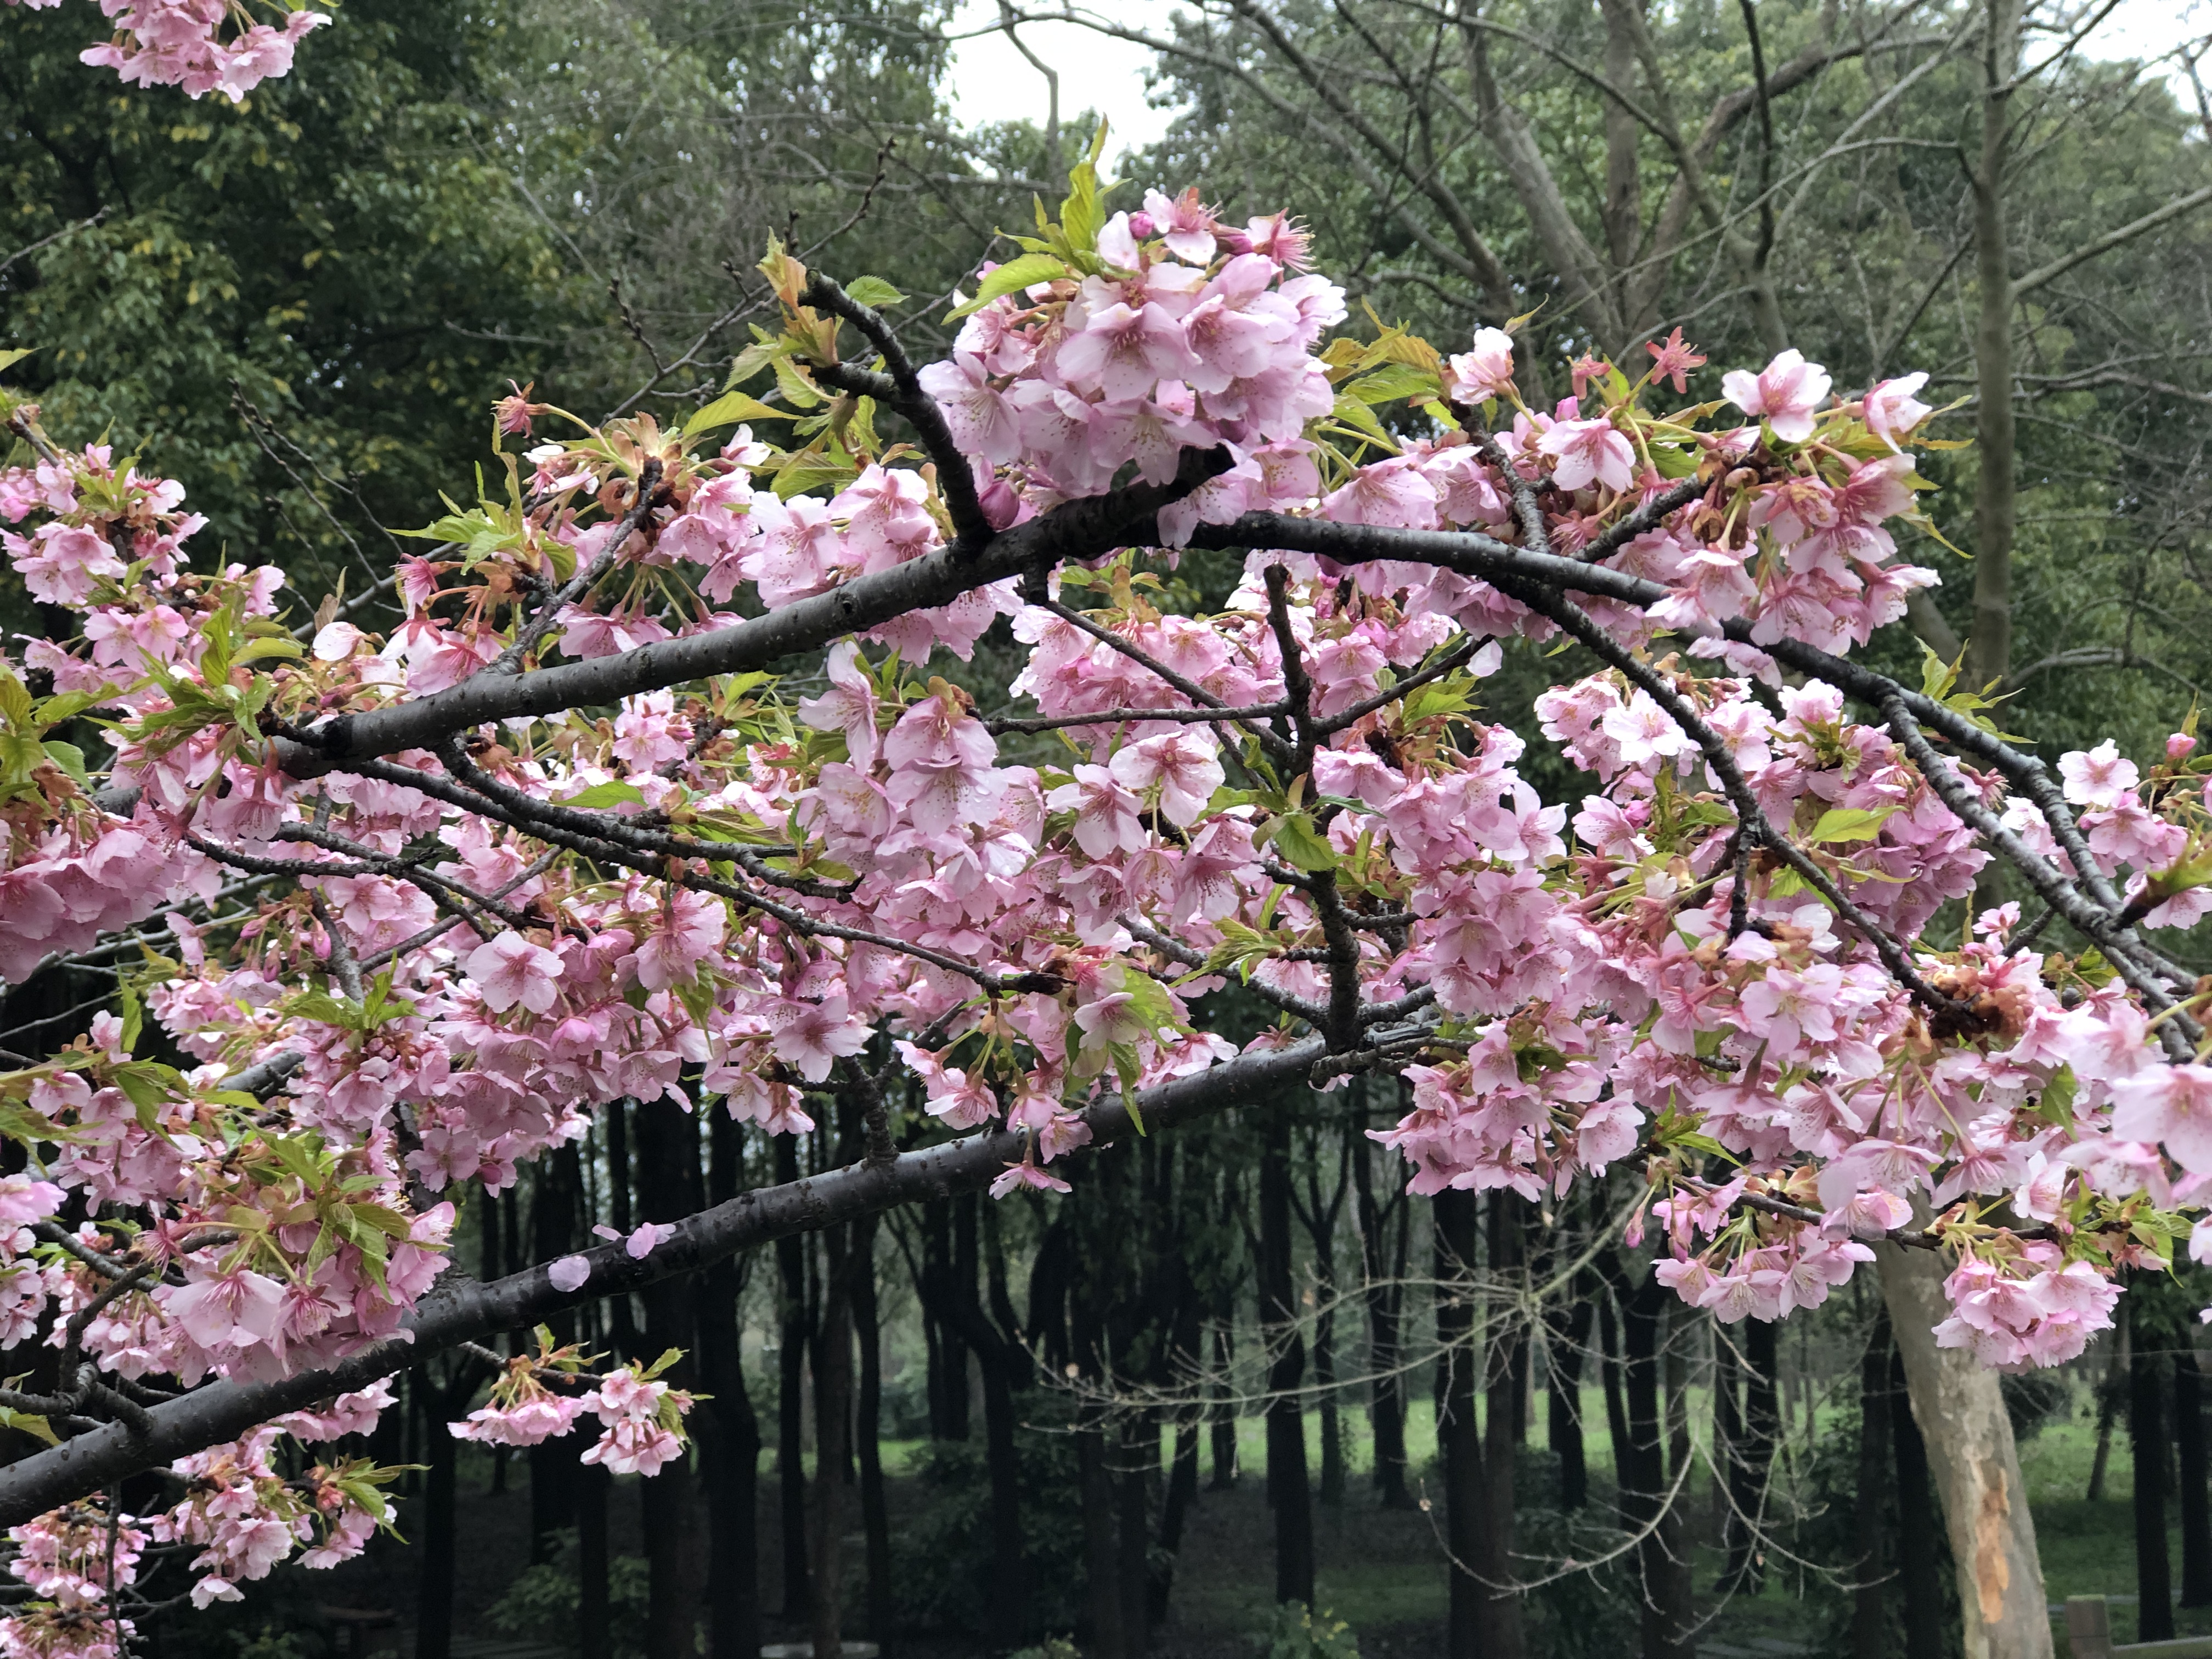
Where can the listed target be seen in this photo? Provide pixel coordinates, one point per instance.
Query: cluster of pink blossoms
(535, 1399)
(734, 892)
(202, 45)
(241, 1513)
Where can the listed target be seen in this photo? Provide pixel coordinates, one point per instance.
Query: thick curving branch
(462, 1311)
(1085, 529)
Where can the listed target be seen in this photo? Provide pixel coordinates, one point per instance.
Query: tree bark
(1139, 1466)
(1382, 1269)
(1917, 1523)
(1616, 1412)
(1960, 1413)
(728, 1432)
(948, 1354)
(1100, 1548)
(790, 1407)
(669, 1188)
(1320, 1215)
(875, 1514)
(1182, 1492)
(1001, 1361)
(1221, 1433)
(1571, 1337)
(1668, 1611)
(553, 1463)
(594, 1626)
(2147, 1439)
(1458, 1434)
(2195, 1513)
(1753, 1458)
(1870, 1600)
(433, 1594)
(1502, 1635)
(833, 1417)
(1287, 1433)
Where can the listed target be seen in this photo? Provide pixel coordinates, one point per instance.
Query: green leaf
(1937, 675)
(1392, 382)
(1671, 462)
(731, 407)
(754, 358)
(1303, 845)
(37, 1427)
(1849, 823)
(70, 759)
(801, 392)
(2092, 967)
(613, 792)
(15, 700)
(149, 1087)
(1694, 813)
(9, 358)
(1011, 277)
(134, 1015)
(256, 649)
(2056, 1102)
(1353, 413)
(875, 292)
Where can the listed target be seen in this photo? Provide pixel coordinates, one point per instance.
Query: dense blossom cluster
(739, 892)
(540, 1397)
(201, 45)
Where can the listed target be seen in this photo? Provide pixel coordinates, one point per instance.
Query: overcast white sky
(991, 80)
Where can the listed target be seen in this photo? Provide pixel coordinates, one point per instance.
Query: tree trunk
(948, 1357)
(1140, 1463)
(1616, 1413)
(1221, 1433)
(1010, 1604)
(1383, 1261)
(951, 1286)
(1508, 1356)
(595, 1626)
(1101, 1574)
(729, 1433)
(875, 1516)
(1750, 1467)
(621, 1324)
(1457, 1433)
(670, 1188)
(1182, 1490)
(1870, 1600)
(1995, 502)
(1918, 1529)
(1728, 1447)
(2196, 1514)
(790, 1407)
(1961, 1417)
(2110, 1393)
(1321, 1216)
(2147, 1440)
(433, 1594)
(1571, 1339)
(1287, 1433)
(1668, 1614)
(553, 1463)
(833, 1417)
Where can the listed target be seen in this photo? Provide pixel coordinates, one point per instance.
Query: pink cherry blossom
(1787, 393)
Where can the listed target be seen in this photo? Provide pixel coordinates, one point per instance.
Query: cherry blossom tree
(653, 794)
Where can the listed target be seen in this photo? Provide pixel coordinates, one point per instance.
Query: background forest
(1208, 1380)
